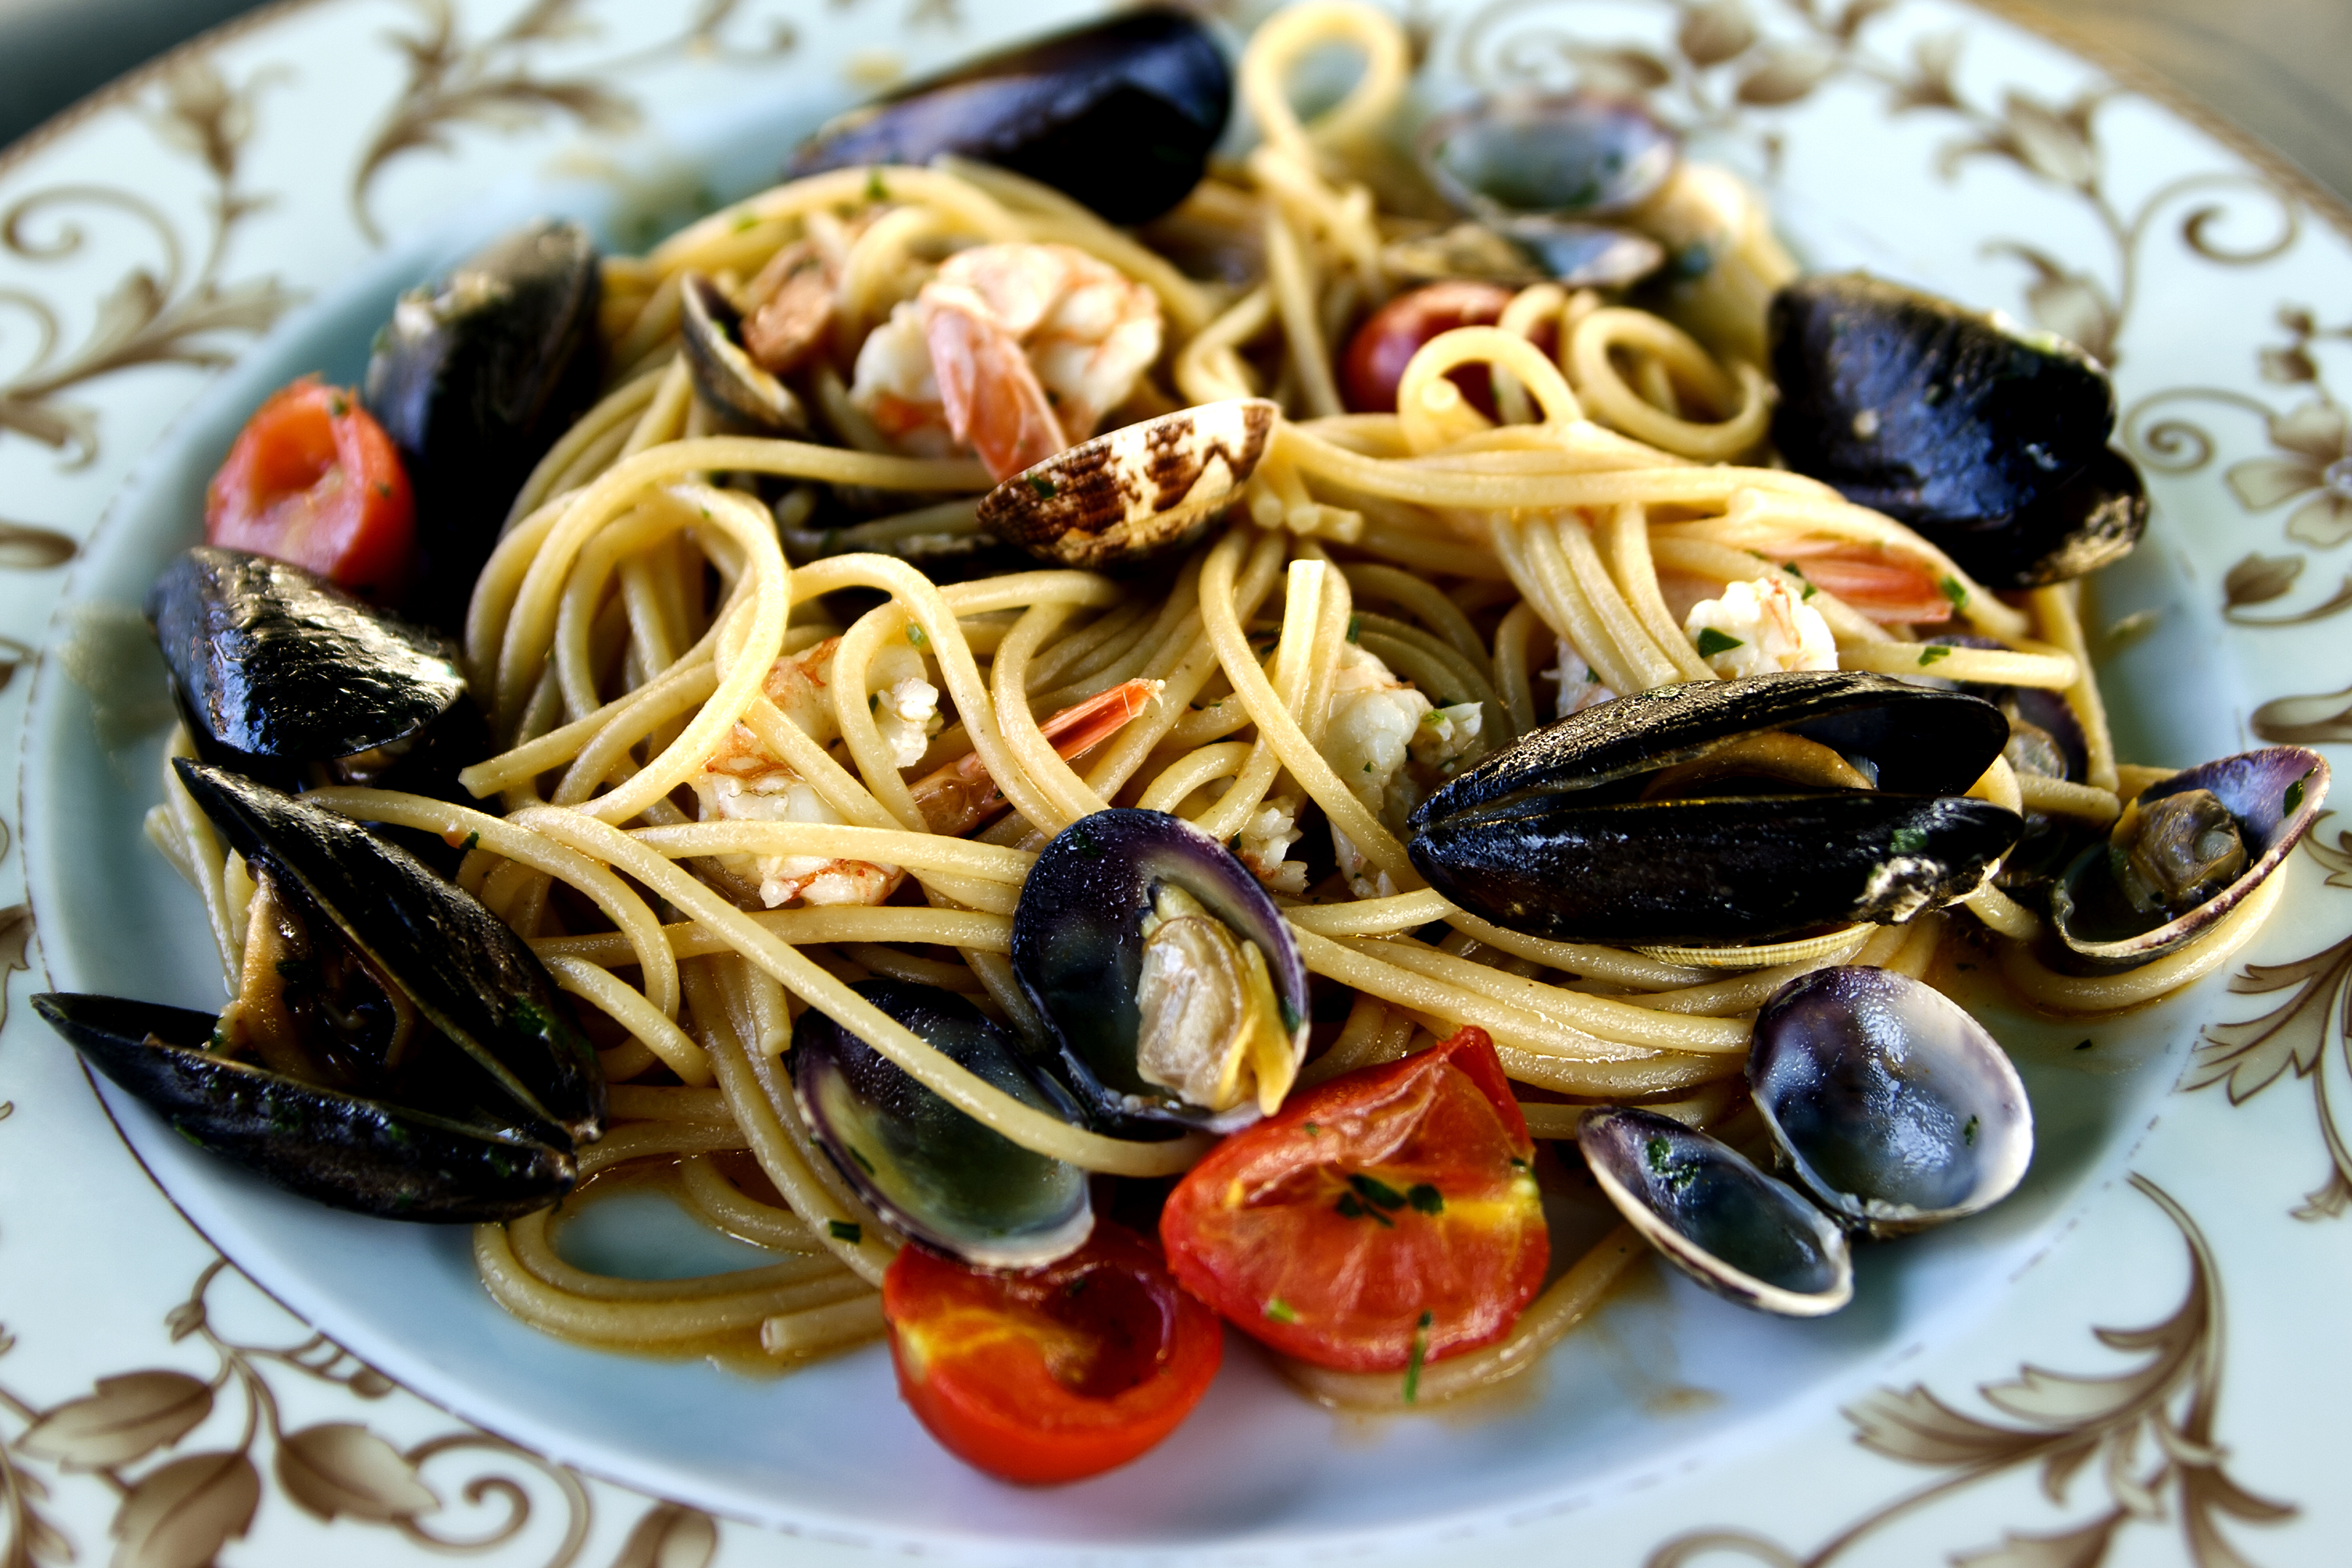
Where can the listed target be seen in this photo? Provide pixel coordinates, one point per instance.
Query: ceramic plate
(2135, 1360)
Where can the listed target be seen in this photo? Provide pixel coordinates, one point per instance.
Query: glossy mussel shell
(1078, 950)
(474, 379)
(1119, 115)
(2272, 795)
(479, 1125)
(948, 1181)
(283, 677)
(1989, 439)
(1550, 837)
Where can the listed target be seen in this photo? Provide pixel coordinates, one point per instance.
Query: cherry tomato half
(1388, 1212)
(1385, 343)
(313, 479)
(1055, 1374)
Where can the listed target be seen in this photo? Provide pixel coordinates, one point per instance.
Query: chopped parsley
(858, 1154)
(1347, 1207)
(746, 221)
(1956, 591)
(1425, 1199)
(2083, 1046)
(384, 489)
(473, 842)
(1377, 1192)
(1969, 1132)
(2294, 801)
(338, 405)
(1355, 627)
(916, 635)
(847, 1230)
(1312, 1130)
(1908, 840)
(876, 191)
(1281, 1311)
(1659, 1153)
(1793, 569)
(1933, 652)
(1420, 1355)
(1712, 642)
(1043, 485)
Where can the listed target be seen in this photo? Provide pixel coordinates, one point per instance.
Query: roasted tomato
(1385, 343)
(1050, 1374)
(313, 479)
(1385, 1217)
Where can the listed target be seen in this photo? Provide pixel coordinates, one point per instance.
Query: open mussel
(1162, 970)
(1989, 440)
(1119, 115)
(948, 1181)
(1545, 172)
(736, 391)
(392, 1048)
(284, 678)
(1730, 811)
(2185, 853)
(1893, 1107)
(1135, 493)
(474, 379)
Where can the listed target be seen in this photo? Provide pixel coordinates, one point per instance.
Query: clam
(1989, 439)
(1893, 1108)
(948, 1181)
(1165, 975)
(284, 678)
(741, 395)
(1541, 170)
(2185, 852)
(1136, 492)
(1734, 811)
(1119, 114)
(393, 1048)
(473, 378)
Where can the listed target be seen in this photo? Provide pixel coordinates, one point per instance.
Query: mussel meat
(1894, 1108)
(2185, 852)
(1119, 115)
(1734, 811)
(474, 379)
(284, 678)
(393, 1049)
(933, 1172)
(1135, 493)
(1989, 440)
(1165, 975)
(736, 391)
(1541, 171)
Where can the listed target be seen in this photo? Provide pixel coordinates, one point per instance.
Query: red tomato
(313, 479)
(1385, 344)
(1055, 1374)
(1387, 1215)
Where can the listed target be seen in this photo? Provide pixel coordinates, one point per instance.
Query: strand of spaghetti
(1920, 940)
(1609, 607)
(811, 1332)
(1174, 784)
(1724, 564)
(1372, 917)
(2182, 966)
(725, 1206)
(559, 746)
(2098, 806)
(1511, 674)
(534, 1248)
(622, 405)
(1065, 792)
(1533, 548)
(1615, 966)
(1289, 36)
(833, 841)
(2055, 612)
(559, 1311)
(1745, 993)
(1207, 369)
(802, 928)
(656, 516)
(659, 1102)
(627, 1005)
(965, 203)
(1999, 786)
(1643, 1079)
(1976, 665)
(1626, 540)
(1742, 398)
(849, 1232)
(1422, 600)
(2002, 914)
(505, 837)
(653, 328)
(1603, 1018)
(1566, 1302)
(607, 756)
(1032, 1129)
(1294, 302)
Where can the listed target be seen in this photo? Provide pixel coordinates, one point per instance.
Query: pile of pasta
(625, 629)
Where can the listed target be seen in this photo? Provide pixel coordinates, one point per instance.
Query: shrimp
(1760, 627)
(1016, 351)
(962, 795)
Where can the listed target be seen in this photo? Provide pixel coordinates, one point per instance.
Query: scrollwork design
(160, 313)
(174, 1508)
(2150, 1431)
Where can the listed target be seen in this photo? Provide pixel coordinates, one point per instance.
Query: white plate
(210, 228)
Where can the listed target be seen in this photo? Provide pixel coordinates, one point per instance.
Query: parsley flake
(2085, 1046)
(1376, 1192)
(1355, 627)
(2294, 801)
(1657, 1152)
(1043, 485)
(1281, 1311)
(847, 1230)
(1908, 840)
(1969, 1132)
(876, 191)
(1425, 1199)
(1712, 642)
(1420, 1355)
(1956, 591)
(916, 635)
(473, 842)
(1933, 652)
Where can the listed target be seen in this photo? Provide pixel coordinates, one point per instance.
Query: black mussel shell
(391, 1161)
(474, 379)
(948, 1181)
(1956, 422)
(1550, 837)
(285, 679)
(1119, 115)
(1078, 946)
(468, 975)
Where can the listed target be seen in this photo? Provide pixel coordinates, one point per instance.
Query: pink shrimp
(959, 796)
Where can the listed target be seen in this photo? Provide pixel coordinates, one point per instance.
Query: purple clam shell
(1894, 1107)
(2275, 793)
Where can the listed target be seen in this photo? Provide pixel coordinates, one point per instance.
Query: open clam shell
(1542, 170)
(1742, 1234)
(1136, 492)
(952, 1182)
(1894, 1106)
(739, 391)
(1080, 950)
(2272, 796)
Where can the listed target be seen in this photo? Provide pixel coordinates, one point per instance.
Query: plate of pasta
(1253, 784)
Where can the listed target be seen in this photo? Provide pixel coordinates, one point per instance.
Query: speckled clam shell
(1135, 492)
